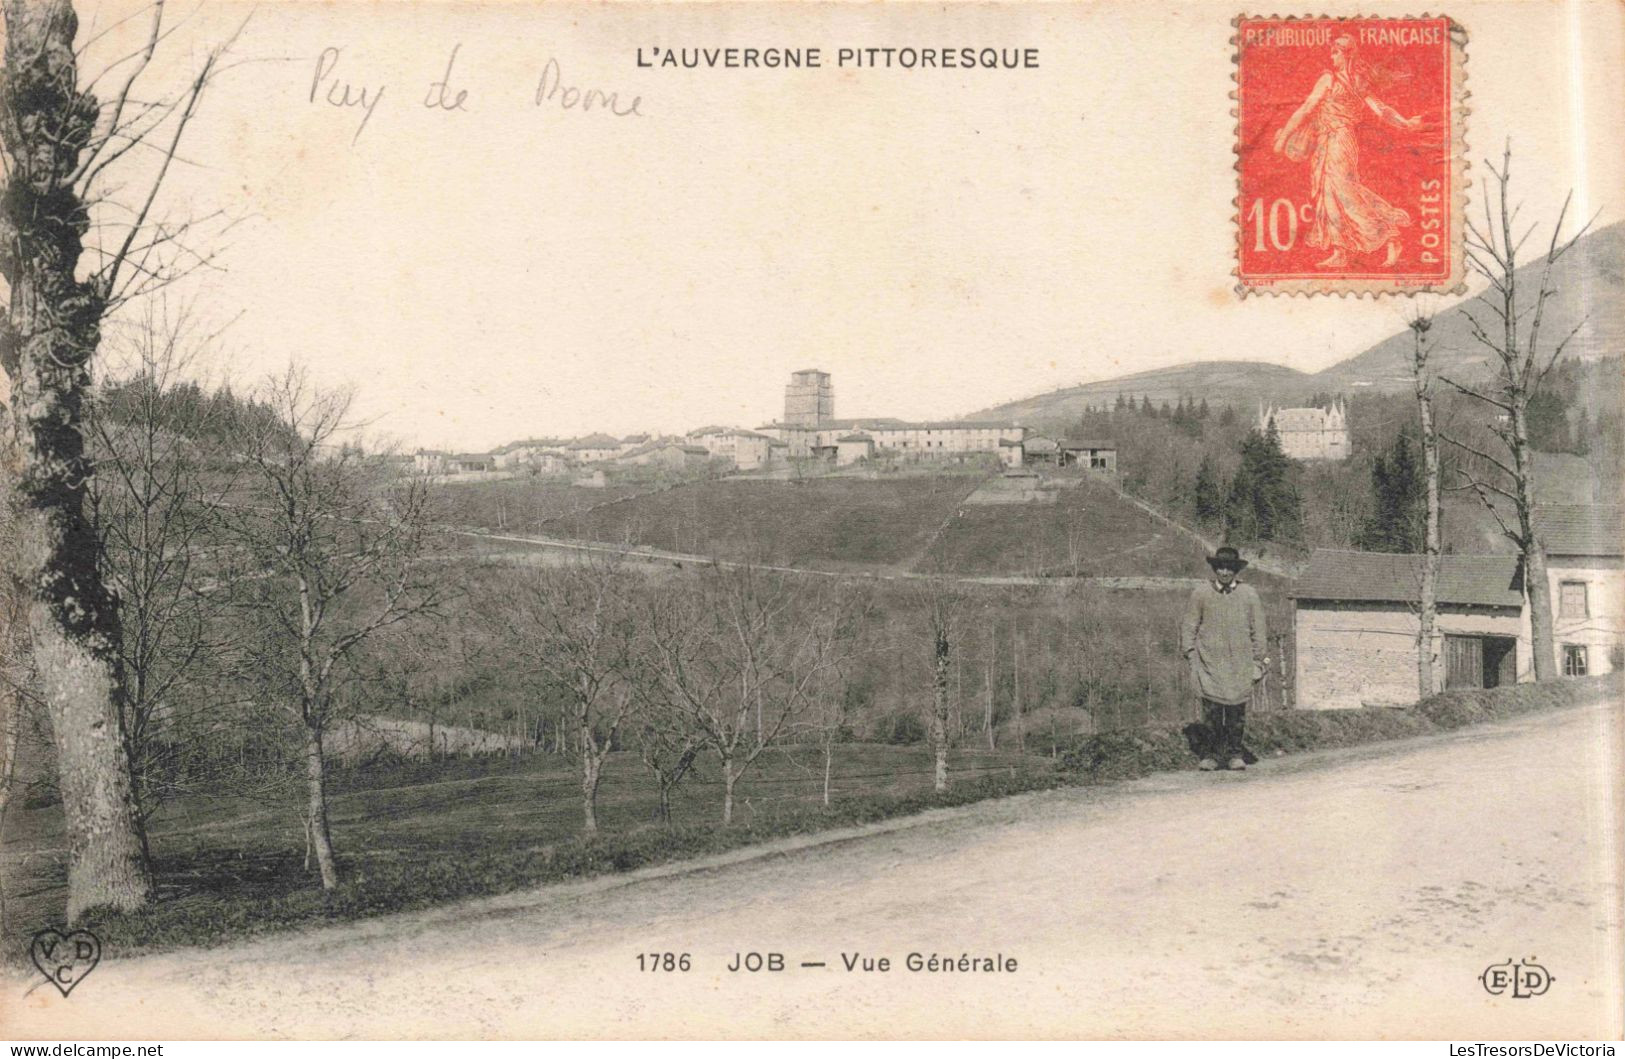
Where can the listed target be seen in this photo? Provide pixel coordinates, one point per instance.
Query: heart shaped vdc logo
(65, 958)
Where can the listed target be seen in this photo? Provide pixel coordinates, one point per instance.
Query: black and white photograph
(758, 522)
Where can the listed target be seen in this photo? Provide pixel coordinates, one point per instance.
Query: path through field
(1351, 893)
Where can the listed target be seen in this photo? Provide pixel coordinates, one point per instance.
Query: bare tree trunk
(1015, 669)
(48, 334)
(1430, 536)
(591, 766)
(829, 761)
(992, 666)
(1537, 585)
(316, 806)
(939, 710)
(728, 779)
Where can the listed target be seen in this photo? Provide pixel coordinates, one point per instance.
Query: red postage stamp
(1349, 145)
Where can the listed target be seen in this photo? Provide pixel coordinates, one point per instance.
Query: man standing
(1224, 637)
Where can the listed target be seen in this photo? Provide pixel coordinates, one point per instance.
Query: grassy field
(826, 523)
(422, 833)
(526, 505)
(1088, 532)
(859, 525)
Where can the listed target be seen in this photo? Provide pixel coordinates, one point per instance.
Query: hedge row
(1169, 748)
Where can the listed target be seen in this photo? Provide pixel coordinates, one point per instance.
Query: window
(1574, 660)
(1571, 600)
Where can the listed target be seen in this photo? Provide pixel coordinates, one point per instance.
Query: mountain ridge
(1590, 298)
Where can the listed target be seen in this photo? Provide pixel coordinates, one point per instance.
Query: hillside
(1590, 283)
(883, 525)
(1241, 381)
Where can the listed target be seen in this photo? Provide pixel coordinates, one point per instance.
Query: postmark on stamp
(1349, 144)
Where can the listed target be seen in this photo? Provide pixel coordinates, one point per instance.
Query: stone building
(430, 461)
(851, 448)
(810, 429)
(1089, 455)
(593, 448)
(747, 450)
(1356, 618)
(1356, 615)
(1309, 433)
(809, 400)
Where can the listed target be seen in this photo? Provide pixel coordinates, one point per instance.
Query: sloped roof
(1074, 445)
(597, 441)
(1580, 529)
(854, 437)
(1481, 580)
(538, 443)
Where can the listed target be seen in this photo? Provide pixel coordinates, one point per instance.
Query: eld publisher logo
(1524, 979)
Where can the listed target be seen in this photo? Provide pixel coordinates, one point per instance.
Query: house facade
(851, 448)
(747, 450)
(428, 461)
(1585, 565)
(594, 448)
(893, 437)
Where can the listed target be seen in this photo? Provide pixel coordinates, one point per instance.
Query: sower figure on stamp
(1224, 637)
(1349, 216)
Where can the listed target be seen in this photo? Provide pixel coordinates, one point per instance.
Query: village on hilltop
(810, 431)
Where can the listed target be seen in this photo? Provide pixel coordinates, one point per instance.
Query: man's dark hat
(1227, 558)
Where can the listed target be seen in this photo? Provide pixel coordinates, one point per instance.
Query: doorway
(1480, 661)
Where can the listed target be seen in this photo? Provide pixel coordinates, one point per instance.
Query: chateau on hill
(1309, 433)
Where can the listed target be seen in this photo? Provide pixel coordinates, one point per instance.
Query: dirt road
(1348, 894)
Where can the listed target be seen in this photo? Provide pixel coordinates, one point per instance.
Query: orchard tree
(574, 629)
(739, 653)
(332, 540)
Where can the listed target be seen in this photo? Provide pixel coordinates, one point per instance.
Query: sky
(938, 240)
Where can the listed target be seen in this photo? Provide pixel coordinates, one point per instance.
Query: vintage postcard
(801, 520)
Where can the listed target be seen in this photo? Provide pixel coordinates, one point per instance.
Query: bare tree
(575, 627)
(1521, 364)
(155, 501)
(1430, 535)
(733, 639)
(666, 743)
(59, 144)
(334, 538)
(828, 698)
(940, 605)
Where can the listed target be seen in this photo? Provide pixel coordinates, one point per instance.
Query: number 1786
(663, 961)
